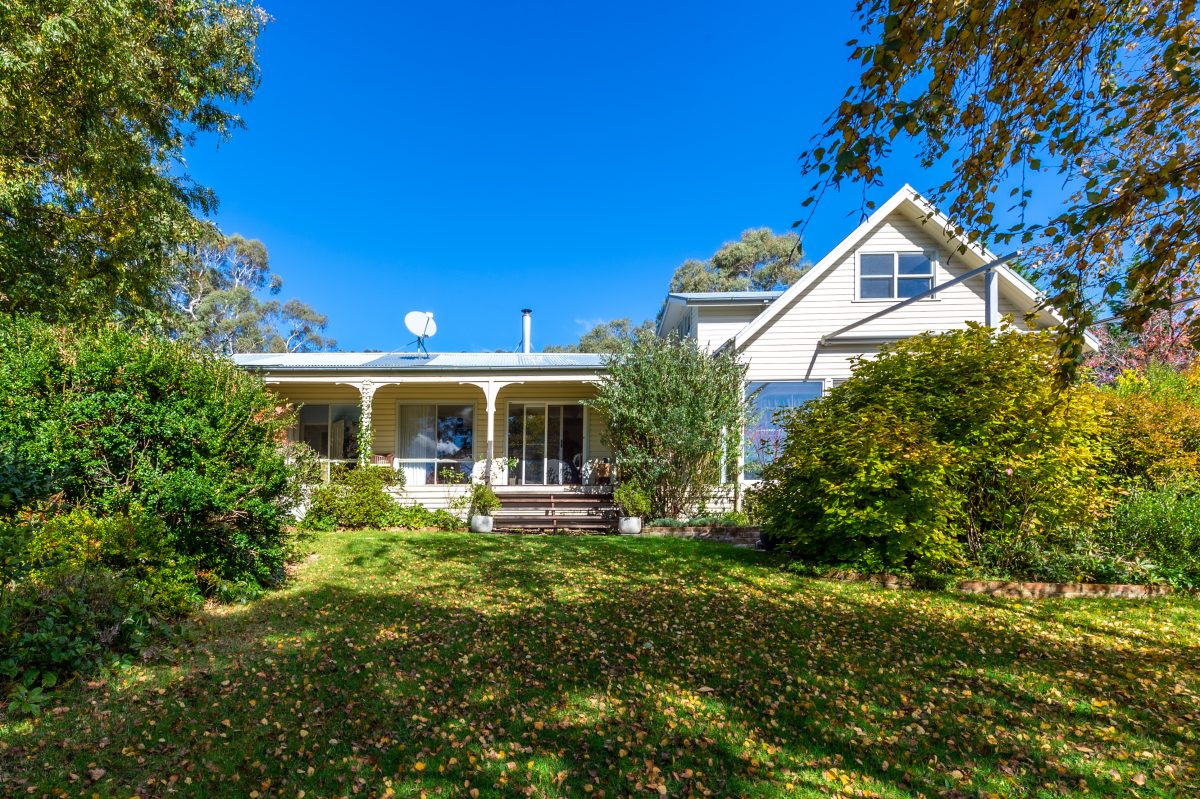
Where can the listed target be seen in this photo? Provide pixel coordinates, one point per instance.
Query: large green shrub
(944, 450)
(354, 499)
(114, 422)
(674, 412)
(1160, 527)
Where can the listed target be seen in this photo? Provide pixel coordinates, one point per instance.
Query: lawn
(455, 665)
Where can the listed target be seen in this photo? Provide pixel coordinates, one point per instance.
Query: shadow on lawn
(566, 663)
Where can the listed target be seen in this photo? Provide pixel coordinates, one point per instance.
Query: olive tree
(675, 414)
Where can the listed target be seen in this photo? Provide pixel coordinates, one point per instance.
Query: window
(331, 430)
(546, 442)
(432, 439)
(893, 275)
(764, 436)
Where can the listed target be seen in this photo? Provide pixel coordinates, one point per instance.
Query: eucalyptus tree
(609, 336)
(760, 260)
(222, 300)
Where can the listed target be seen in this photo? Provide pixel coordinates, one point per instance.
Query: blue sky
(475, 158)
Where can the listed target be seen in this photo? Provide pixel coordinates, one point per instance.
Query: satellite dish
(421, 325)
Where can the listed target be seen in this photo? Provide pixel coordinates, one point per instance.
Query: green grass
(457, 665)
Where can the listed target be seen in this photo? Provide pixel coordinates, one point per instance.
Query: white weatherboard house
(436, 417)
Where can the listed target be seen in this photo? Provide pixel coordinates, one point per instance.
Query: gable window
(764, 434)
(893, 275)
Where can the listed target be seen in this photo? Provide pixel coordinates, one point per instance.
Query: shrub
(410, 517)
(482, 500)
(442, 519)
(77, 587)
(733, 518)
(727, 519)
(1155, 427)
(365, 501)
(944, 449)
(1160, 527)
(669, 406)
(354, 499)
(65, 620)
(862, 487)
(118, 421)
(632, 499)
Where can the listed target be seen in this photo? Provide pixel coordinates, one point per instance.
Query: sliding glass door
(546, 440)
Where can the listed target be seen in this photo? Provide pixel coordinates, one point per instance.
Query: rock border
(1012, 589)
(749, 537)
(1019, 590)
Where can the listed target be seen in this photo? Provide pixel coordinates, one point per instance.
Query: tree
(674, 415)
(607, 337)
(217, 304)
(1103, 95)
(1163, 340)
(98, 102)
(760, 260)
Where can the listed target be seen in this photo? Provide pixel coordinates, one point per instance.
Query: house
(442, 417)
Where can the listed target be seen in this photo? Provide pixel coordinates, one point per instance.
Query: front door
(546, 439)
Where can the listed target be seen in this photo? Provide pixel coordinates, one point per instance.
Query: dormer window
(894, 275)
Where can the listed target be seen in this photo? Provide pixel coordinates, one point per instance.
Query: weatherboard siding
(716, 325)
(388, 398)
(787, 348)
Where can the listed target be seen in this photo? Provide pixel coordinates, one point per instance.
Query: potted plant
(483, 502)
(510, 464)
(633, 503)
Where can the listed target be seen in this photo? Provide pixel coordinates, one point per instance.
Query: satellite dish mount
(421, 325)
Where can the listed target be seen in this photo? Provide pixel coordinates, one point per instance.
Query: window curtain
(418, 441)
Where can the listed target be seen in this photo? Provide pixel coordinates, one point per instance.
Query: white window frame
(825, 383)
(326, 463)
(930, 255)
(585, 455)
(438, 463)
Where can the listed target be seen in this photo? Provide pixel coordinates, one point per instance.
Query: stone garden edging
(1022, 590)
(738, 536)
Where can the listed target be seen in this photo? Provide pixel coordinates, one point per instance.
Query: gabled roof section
(909, 200)
(677, 301)
(408, 361)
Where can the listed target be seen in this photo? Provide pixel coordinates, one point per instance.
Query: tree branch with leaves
(1104, 96)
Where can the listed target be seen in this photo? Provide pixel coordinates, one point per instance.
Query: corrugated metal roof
(408, 360)
(726, 296)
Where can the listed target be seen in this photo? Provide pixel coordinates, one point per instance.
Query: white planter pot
(481, 524)
(629, 525)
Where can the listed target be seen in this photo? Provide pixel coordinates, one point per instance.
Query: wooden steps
(554, 510)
